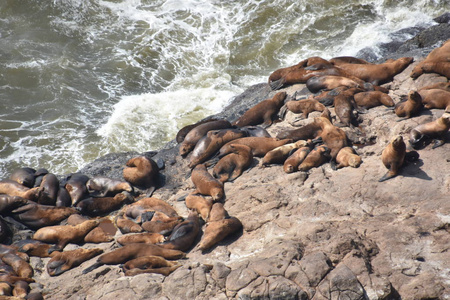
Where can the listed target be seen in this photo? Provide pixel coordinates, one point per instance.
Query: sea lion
(145, 237)
(212, 142)
(326, 97)
(9, 203)
(206, 184)
(126, 225)
(184, 234)
(101, 186)
(5, 289)
(200, 204)
(160, 227)
(432, 130)
(63, 199)
(377, 74)
(149, 264)
(305, 106)
(295, 159)
(20, 266)
(132, 251)
(347, 60)
(50, 189)
(181, 134)
(372, 99)
(24, 176)
(5, 232)
(64, 261)
(308, 131)
(194, 135)
(144, 205)
(333, 137)
(33, 248)
(64, 234)
(435, 98)
(104, 205)
(344, 104)
(141, 171)
(281, 153)
(440, 85)
(36, 215)
(441, 68)
(39, 176)
(434, 58)
(76, 186)
(259, 145)
(263, 112)
(393, 156)
(98, 235)
(21, 289)
(217, 212)
(216, 231)
(347, 157)
(329, 82)
(231, 166)
(410, 107)
(255, 131)
(315, 158)
(13, 188)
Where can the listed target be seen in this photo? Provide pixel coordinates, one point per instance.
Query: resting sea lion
(185, 130)
(434, 58)
(76, 186)
(206, 184)
(281, 153)
(435, 98)
(149, 264)
(393, 156)
(217, 212)
(410, 107)
(372, 99)
(347, 60)
(435, 130)
(295, 159)
(24, 176)
(50, 189)
(344, 103)
(184, 234)
(440, 85)
(9, 203)
(259, 145)
(329, 82)
(315, 158)
(20, 266)
(255, 131)
(63, 199)
(231, 166)
(126, 225)
(35, 215)
(305, 106)
(333, 137)
(141, 171)
(347, 157)
(33, 248)
(12, 188)
(200, 204)
(216, 231)
(145, 237)
(144, 205)
(101, 186)
(308, 131)
(21, 289)
(104, 205)
(64, 261)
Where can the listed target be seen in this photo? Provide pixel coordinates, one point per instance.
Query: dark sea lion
(50, 189)
(333, 137)
(145, 237)
(216, 231)
(104, 205)
(305, 106)
(295, 159)
(392, 157)
(281, 153)
(326, 97)
(35, 215)
(5, 232)
(315, 158)
(438, 55)
(255, 131)
(132, 251)
(21, 289)
(347, 157)
(63, 199)
(206, 184)
(76, 186)
(9, 203)
(231, 166)
(136, 209)
(435, 98)
(12, 188)
(344, 104)
(259, 145)
(372, 99)
(184, 234)
(64, 261)
(194, 135)
(410, 107)
(33, 247)
(263, 112)
(20, 266)
(64, 234)
(308, 131)
(200, 204)
(101, 186)
(24, 176)
(6, 249)
(149, 264)
(141, 171)
(185, 130)
(433, 130)
(329, 82)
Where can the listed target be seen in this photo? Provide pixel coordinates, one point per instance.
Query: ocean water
(83, 78)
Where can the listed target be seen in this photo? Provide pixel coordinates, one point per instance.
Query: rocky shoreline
(323, 234)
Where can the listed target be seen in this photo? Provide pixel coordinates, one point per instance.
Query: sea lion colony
(69, 210)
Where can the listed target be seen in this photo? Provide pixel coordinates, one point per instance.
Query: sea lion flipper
(386, 176)
(91, 268)
(438, 143)
(277, 84)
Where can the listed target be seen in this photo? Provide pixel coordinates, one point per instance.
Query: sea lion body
(255, 131)
(145, 237)
(141, 171)
(217, 212)
(101, 186)
(36, 215)
(184, 234)
(372, 99)
(438, 55)
(315, 158)
(216, 231)
(136, 209)
(333, 137)
(305, 106)
(200, 204)
(295, 159)
(50, 189)
(259, 145)
(435, 130)
(181, 134)
(410, 107)
(20, 266)
(9, 203)
(64, 261)
(308, 131)
(160, 227)
(392, 157)
(76, 186)
(149, 264)
(344, 103)
(13, 188)
(281, 153)
(63, 199)
(104, 205)
(435, 98)
(24, 176)
(231, 166)
(33, 248)
(126, 225)
(329, 82)
(339, 60)
(206, 184)
(21, 289)
(347, 157)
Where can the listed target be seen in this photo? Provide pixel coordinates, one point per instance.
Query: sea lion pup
(194, 135)
(20, 266)
(64, 234)
(200, 204)
(295, 159)
(21, 289)
(36, 215)
(149, 264)
(216, 231)
(24, 176)
(378, 74)
(212, 142)
(132, 251)
(372, 99)
(145, 237)
(438, 55)
(344, 104)
(329, 82)
(64, 261)
(259, 145)
(305, 107)
(101, 186)
(76, 186)
(9, 203)
(281, 153)
(232, 165)
(137, 209)
(434, 130)
(435, 98)
(50, 189)
(347, 157)
(141, 171)
(181, 134)
(333, 137)
(392, 157)
(263, 112)
(339, 60)
(206, 184)
(184, 234)
(102, 206)
(293, 74)
(315, 158)
(12, 188)
(410, 107)
(126, 225)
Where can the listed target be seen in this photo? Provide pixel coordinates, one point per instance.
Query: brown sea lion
(21, 289)
(206, 184)
(200, 204)
(441, 68)
(295, 159)
(308, 131)
(20, 266)
(392, 157)
(263, 112)
(344, 104)
(216, 231)
(50, 189)
(64, 234)
(149, 264)
(347, 157)
(33, 248)
(326, 97)
(347, 60)
(12, 188)
(141, 171)
(104, 205)
(372, 99)
(149, 204)
(217, 212)
(231, 166)
(103, 233)
(281, 153)
(184, 234)
(24, 176)
(410, 107)
(432, 130)
(9, 203)
(101, 186)
(76, 186)
(35, 215)
(194, 135)
(259, 145)
(126, 225)
(305, 106)
(211, 143)
(333, 137)
(315, 158)
(255, 131)
(440, 85)
(5, 289)
(64, 261)
(161, 227)
(377, 74)
(435, 98)
(434, 58)
(98, 235)
(145, 237)
(181, 134)
(132, 251)
(329, 82)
